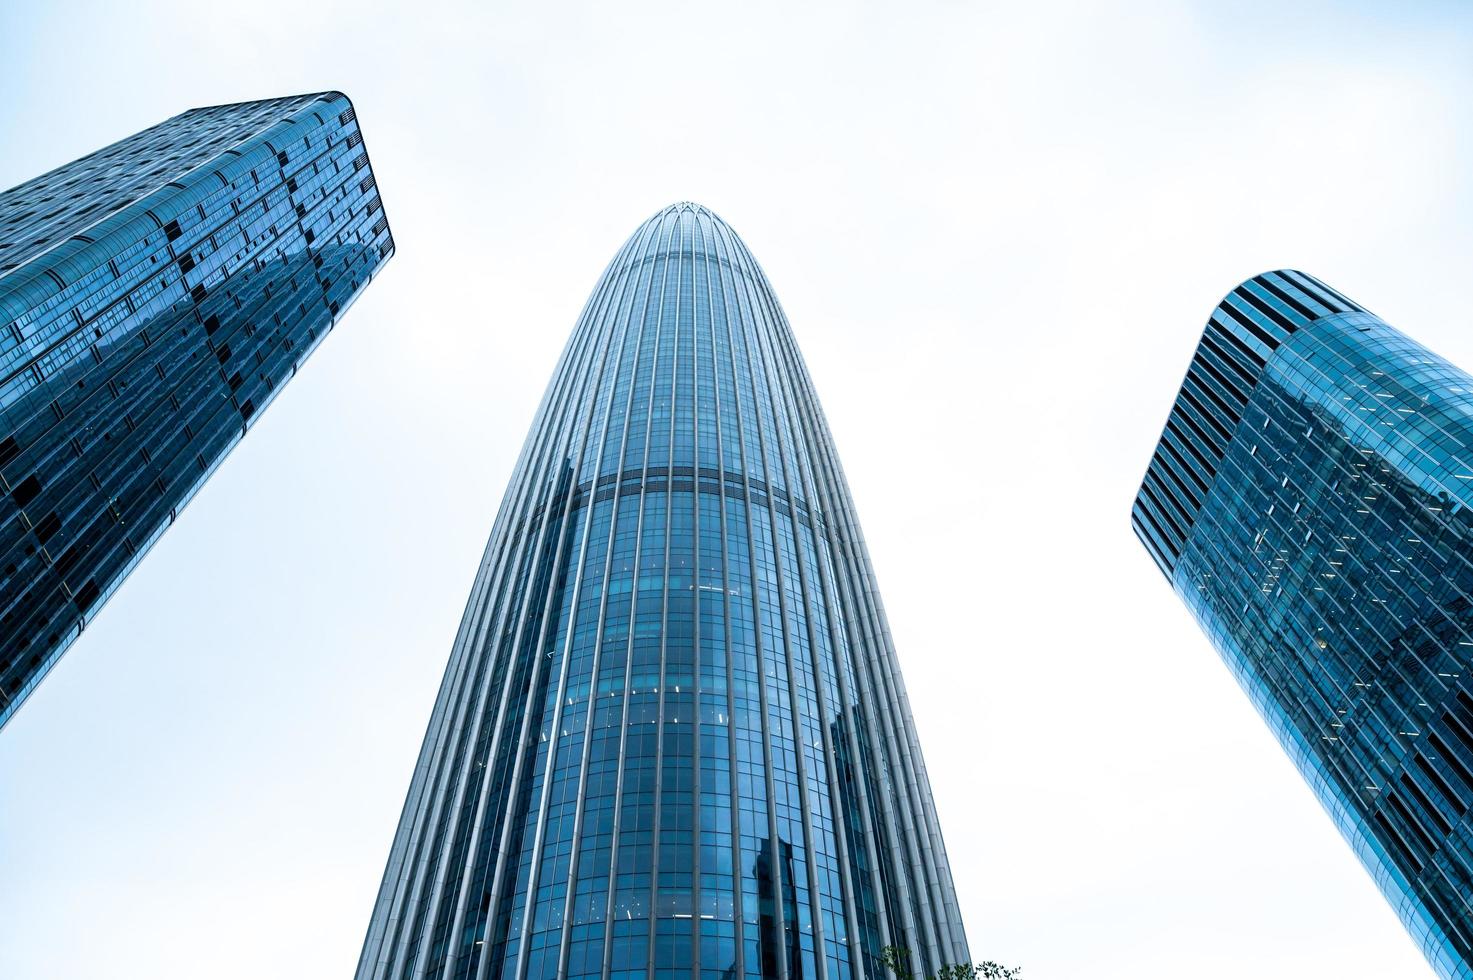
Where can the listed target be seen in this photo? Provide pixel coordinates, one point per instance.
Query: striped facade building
(672, 740)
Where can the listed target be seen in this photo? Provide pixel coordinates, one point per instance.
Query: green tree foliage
(897, 961)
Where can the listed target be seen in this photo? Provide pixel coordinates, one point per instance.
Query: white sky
(997, 230)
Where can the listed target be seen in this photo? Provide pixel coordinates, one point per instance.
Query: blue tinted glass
(154, 297)
(670, 740)
(1310, 502)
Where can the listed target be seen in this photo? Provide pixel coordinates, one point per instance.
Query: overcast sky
(997, 230)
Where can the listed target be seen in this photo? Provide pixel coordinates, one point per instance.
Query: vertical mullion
(555, 402)
(494, 750)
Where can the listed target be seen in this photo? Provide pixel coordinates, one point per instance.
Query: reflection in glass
(1311, 501)
(154, 298)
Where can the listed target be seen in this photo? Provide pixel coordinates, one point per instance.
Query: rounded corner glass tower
(1311, 502)
(672, 739)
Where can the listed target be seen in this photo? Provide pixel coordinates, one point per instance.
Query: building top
(58, 227)
(1241, 335)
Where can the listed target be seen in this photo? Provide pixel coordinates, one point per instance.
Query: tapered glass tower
(672, 739)
(154, 297)
(1311, 501)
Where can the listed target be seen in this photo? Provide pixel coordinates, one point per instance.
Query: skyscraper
(1310, 503)
(672, 739)
(154, 297)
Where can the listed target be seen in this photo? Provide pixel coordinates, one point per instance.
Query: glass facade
(672, 739)
(154, 296)
(1310, 503)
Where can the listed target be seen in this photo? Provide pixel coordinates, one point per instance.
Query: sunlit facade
(154, 297)
(672, 739)
(1310, 502)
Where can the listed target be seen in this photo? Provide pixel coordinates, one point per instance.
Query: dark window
(48, 527)
(69, 559)
(27, 490)
(87, 595)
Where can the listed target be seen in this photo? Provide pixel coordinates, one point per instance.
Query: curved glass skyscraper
(672, 739)
(1311, 501)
